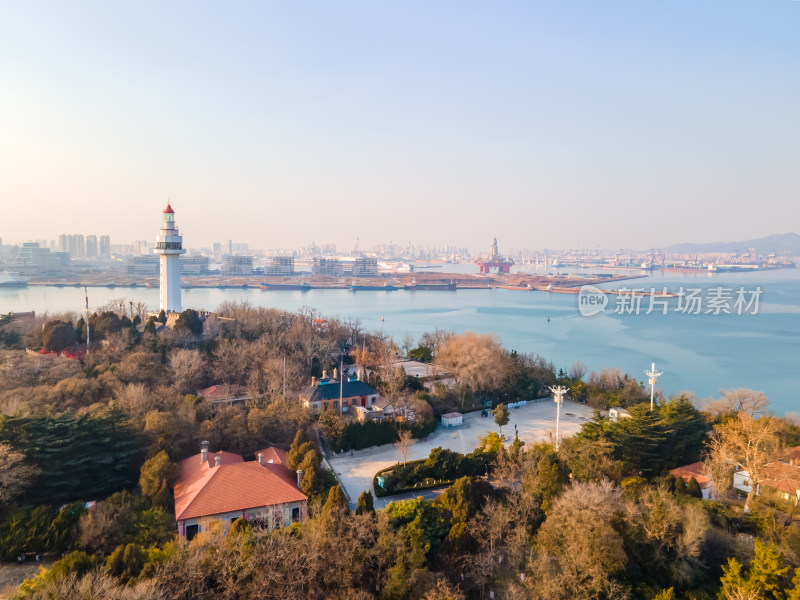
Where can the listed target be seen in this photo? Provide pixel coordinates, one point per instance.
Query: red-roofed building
(698, 472)
(793, 456)
(226, 393)
(781, 478)
(220, 487)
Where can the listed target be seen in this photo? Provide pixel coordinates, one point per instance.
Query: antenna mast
(558, 398)
(652, 375)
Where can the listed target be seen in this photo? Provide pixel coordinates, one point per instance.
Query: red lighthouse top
(169, 210)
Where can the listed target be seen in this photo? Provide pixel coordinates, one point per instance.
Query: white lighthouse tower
(169, 244)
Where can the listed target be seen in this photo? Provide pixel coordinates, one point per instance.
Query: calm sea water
(702, 353)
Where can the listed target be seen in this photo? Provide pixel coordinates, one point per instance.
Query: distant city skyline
(545, 124)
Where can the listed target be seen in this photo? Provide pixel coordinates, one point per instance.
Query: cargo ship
(386, 287)
(522, 288)
(277, 287)
(432, 286)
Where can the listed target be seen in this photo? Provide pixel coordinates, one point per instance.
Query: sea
(702, 344)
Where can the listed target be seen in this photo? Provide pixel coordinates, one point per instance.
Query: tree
(422, 354)
(749, 442)
(311, 483)
(186, 367)
(666, 594)
(403, 443)
(501, 416)
(365, 503)
(162, 316)
(295, 455)
(740, 400)
(156, 478)
(189, 322)
(58, 335)
(693, 488)
(579, 536)
(150, 326)
(767, 579)
(477, 362)
(16, 475)
(335, 503)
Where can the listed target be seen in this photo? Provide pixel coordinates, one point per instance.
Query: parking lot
(535, 422)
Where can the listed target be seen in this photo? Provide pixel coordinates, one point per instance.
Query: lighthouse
(169, 245)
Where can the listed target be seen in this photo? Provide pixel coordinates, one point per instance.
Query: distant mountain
(785, 244)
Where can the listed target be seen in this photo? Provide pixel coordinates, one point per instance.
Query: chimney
(313, 380)
(324, 374)
(299, 478)
(335, 372)
(217, 460)
(261, 458)
(203, 452)
(359, 374)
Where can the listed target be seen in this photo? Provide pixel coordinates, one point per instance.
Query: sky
(549, 124)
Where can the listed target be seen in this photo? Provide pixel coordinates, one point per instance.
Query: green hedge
(442, 467)
(358, 435)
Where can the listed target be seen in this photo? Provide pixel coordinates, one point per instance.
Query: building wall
(275, 517)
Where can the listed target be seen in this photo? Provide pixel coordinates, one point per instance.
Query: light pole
(652, 375)
(558, 398)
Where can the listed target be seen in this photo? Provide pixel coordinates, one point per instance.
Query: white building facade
(169, 245)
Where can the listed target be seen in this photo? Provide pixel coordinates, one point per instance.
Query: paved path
(535, 422)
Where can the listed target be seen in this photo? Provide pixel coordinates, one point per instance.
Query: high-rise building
(237, 265)
(279, 265)
(91, 245)
(365, 266)
(169, 245)
(105, 245)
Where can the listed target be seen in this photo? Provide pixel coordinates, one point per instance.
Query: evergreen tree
(57, 335)
(150, 327)
(189, 322)
(87, 455)
(335, 502)
(768, 572)
(311, 483)
(690, 430)
(156, 478)
(639, 441)
(162, 316)
(297, 450)
(365, 503)
(693, 488)
(794, 592)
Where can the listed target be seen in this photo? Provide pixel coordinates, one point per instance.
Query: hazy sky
(548, 124)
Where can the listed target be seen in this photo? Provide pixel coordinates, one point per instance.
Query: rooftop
(205, 489)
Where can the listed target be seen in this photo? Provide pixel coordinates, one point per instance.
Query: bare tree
(186, 367)
(750, 443)
(403, 443)
(740, 400)
(408, 343)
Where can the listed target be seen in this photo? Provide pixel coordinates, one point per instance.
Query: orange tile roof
(793, 454)
(204, 489)
(696, 470)
(273, 454)
(783, 477)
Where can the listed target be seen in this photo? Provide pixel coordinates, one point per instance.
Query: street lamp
(652, 375)
(558, 398)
